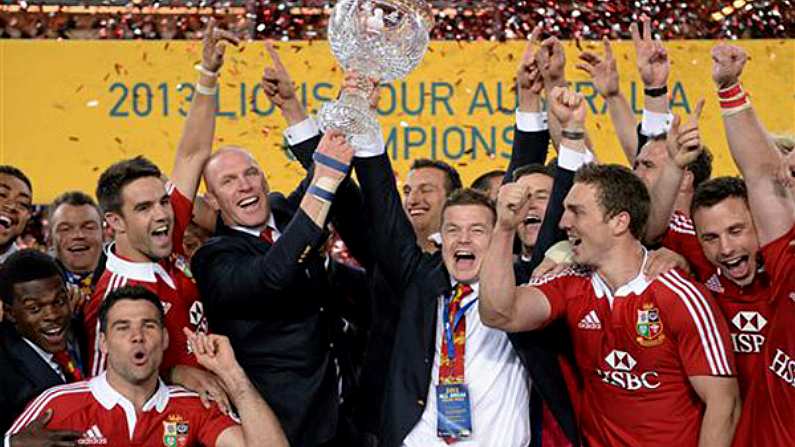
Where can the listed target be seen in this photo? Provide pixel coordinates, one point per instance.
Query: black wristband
(573, 134)
(655, 92)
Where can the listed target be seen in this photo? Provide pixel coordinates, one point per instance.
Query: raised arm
(219, 271)
(196, 143)
(771, 202)
(654, 68)
(501, 303)
(258, 424)
(604, 75)
(531, 132)
(551, 61)
(683, 143)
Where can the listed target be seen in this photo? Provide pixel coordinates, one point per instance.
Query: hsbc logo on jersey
(749, 321)
(783, 366)
(621, 373)
(748, 340)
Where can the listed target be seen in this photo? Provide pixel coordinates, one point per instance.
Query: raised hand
(212, 351)
(354, 82)
(551, 61)
(512, 205)
(276, 81)
(683, 140)
(214, 45)
(652, 58)
(529, 81)
(332, 160)
(728, 62)
(568, 107)
(37, 435)
(603, 71)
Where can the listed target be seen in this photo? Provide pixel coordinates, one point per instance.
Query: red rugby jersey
(768, 417)
(636, 355)
(173, 416)
(169, 278)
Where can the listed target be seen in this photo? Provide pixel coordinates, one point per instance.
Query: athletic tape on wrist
(321, 193)
(329, 162)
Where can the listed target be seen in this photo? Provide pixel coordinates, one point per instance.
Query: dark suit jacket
(420, 279)
(23, 375)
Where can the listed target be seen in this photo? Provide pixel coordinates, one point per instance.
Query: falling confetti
(92, 103)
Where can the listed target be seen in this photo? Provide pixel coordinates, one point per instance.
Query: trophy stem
(352, 115)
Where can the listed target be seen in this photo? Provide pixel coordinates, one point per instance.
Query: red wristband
(734, 102)
(730, 92)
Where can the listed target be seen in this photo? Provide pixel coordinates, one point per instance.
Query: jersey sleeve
(183, 213)
(91, 328)
(681, 238)
(554, 287)
(214, 424)
(779, 257)
(698, 328)
(62, 399)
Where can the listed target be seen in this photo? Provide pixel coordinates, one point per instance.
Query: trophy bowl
(381, 40)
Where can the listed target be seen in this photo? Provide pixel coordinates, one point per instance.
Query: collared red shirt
(170, 279)
(173, 416)
(635, 349)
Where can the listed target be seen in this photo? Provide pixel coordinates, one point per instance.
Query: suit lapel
(31, 364)
(439, 284)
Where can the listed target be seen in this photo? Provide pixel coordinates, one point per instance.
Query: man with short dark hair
(538, 179)
(129, 404)
(76, 237)
(428, 184)
(149, 218)
(489, 182)
(16, 196)
(35, 348)
(644, 348)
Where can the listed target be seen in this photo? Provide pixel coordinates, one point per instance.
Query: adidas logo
(93, 436)
(590, 321)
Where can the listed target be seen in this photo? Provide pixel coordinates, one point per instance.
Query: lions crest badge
(649, 326)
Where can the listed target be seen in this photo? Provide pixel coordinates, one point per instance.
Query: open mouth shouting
(736, 266)
(6, 222)
(417, 211)
(139, 357)
(160, 235)
(464, 259)
(54, 335)
(249, 203)
(531, 220)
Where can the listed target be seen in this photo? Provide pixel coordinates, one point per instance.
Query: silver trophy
(377, 39)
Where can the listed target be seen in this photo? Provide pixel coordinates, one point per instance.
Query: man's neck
(527, 251)
(125, 250)
(622, 263)
(137, 394)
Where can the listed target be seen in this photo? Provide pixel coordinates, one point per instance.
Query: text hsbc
(747, 343)
(784, 367)
(629, 381)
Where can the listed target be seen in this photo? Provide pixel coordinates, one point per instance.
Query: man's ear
(5, 313)
(116, 222)
(620, 223)
(211, 200)
(103, 343)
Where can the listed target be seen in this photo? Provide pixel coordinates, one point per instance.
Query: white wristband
(201, 69)
(204, 90)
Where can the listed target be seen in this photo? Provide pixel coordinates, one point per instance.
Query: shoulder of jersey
(178, 391)
(64, 399)
(574, 271)
(682, 224)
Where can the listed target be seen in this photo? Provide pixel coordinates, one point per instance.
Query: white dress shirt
(499, 388)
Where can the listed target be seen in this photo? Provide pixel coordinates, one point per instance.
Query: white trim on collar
(257, 231)
(635, 286)
(109, 398)
(139, 271)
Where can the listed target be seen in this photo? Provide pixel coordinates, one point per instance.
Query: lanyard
(450, 329)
